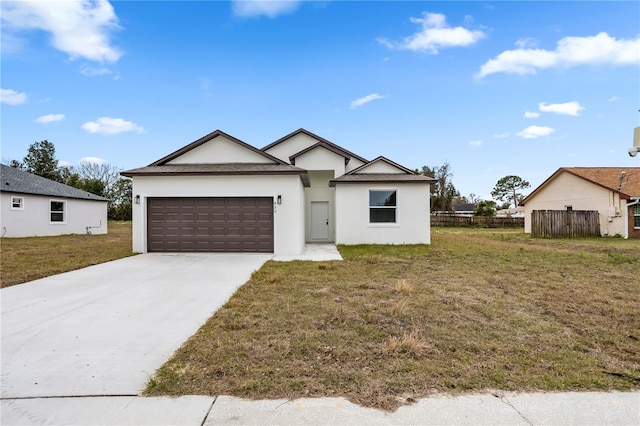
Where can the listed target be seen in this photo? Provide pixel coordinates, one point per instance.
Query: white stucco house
(221, 194)
(613, 191)
(34, 206)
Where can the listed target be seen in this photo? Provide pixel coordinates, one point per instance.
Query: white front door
(319, 221)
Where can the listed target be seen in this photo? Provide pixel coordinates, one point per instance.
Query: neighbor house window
(17, 203)
(636, 216)
(382, 206)
(57, 211)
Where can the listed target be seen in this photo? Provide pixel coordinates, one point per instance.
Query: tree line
(102, 179)
(444, 194)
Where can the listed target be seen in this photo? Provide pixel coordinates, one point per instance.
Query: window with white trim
(382, 206)
(57, 211)
(17, 203)
(636, 216)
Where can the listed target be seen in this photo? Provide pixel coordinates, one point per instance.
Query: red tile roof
(623, 180)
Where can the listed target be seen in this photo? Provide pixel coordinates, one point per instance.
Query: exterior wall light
(137, 199)
(279, 199)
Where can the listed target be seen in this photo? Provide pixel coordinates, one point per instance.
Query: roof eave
(334, 182)
(177, 153)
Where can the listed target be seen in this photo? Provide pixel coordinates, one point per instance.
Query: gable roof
(325, 145)
(404, 176)
(22, 182)
(605, 177)
(164, 160)
(464, 207)
(400, 167)
(161, 168)
(335, 148)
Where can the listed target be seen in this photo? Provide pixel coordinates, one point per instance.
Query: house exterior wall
(322, 159)
(34, 219)
(380, 167)
(353, 164)
(569, 190)
(219, 150)
(289, 225)
(293, 145)
(412, 215)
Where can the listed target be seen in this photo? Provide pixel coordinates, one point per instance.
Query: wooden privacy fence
(562, 223)
(477, 221)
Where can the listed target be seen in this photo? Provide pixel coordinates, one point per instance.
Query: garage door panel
(210, 224)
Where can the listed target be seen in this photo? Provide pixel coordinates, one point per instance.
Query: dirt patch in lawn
(27, 259)
(477, 310)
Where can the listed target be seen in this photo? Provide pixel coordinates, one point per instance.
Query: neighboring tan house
(35, 206)
(613, 191)
(221, 194)
(513, 212)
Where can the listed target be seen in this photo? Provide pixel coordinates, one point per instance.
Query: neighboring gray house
(34, 206)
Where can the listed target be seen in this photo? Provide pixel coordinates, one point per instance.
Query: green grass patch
(28, 259)
(477, 310)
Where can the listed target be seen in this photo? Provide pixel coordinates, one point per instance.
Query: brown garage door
(230, 224)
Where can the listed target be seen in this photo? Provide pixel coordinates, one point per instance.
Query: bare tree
(442, 191)
(106, 173)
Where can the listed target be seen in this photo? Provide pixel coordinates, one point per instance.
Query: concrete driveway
(105, 329)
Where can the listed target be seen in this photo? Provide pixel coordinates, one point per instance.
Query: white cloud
(93, 72)
(568, 108)
(111, 126)
(569, 52)
(476, 142)
(502, 135)
(250, 8)
(526, 42)
(92, 160)
(614, 99)
(80, 28)
(359, 102)
(62, 163)
(530, 114)
(435, 35)
(11, 97)
(534, 132)
(49, 118)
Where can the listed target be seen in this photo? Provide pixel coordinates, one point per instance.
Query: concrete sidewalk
(576, 408)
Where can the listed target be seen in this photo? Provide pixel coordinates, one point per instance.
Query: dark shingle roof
(220, 169)
(382, 159)
(207, 138)
(338, 148)
(215, 169)
(381, 178)
(325, 145)
(21, 182)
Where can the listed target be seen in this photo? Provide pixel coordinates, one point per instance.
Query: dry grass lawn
(477, 310)
(27, 259)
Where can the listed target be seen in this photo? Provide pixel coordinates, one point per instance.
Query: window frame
(64, 212)
(16, 197)
(636, 216)
(394, 207)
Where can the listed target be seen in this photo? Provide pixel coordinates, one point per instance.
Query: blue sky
(493, 88)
